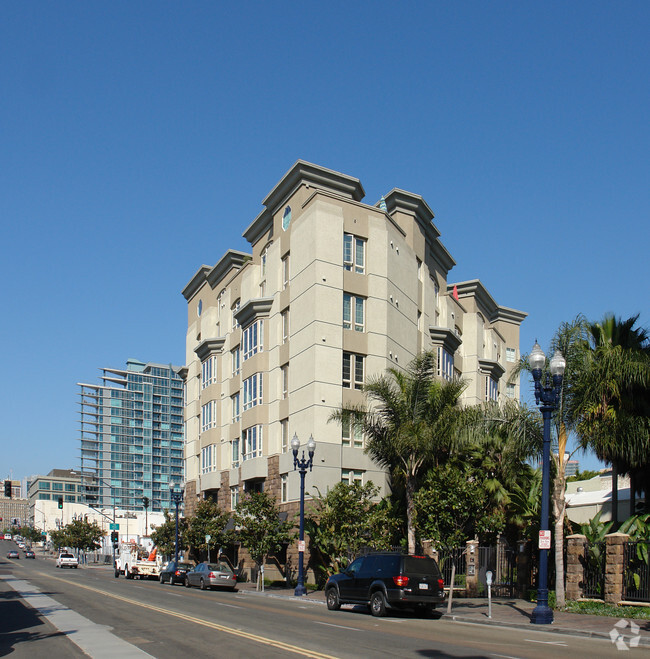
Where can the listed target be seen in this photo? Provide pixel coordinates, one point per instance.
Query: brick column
(471, 578)
(615, 567)
(575, 552)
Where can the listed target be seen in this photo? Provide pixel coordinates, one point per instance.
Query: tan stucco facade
(294, 281)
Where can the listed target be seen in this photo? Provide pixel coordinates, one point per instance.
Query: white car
(66, 559)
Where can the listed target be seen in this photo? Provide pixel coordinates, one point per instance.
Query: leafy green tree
(347, 519)
(207, 520)
(525, 505)
(59, 538)
(83, 535)
(411, 424)
(32, 534)
(261, 531)
(585, 475)
(451, 506)
(164, 535)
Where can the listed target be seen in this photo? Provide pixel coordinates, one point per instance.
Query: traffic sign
(114, 527)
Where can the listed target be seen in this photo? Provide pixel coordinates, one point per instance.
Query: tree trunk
(559, 508)
(614, 497)
(410, 514)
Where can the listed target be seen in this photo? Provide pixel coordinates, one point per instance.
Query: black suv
(387, 580)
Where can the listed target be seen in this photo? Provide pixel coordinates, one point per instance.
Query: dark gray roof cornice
(196, 282)
(302, 172)
(209, 347)
(231, 259)
(491, 367)
(253, 309)
(445, 337)
(474, 288)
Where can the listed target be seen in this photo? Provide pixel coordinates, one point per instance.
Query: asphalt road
(172, 621)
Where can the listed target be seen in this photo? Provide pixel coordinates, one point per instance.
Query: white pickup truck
(66, 559)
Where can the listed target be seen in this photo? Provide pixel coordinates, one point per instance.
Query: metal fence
(593, 570)
(636, 578)
(501, 560)
(447, 557)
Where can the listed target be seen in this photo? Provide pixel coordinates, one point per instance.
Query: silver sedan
(209, 575)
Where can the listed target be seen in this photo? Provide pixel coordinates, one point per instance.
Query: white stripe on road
(95, 640)
(530, 640)
(329, 624)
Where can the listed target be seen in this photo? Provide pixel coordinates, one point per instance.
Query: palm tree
(410, 426)
(609, 405)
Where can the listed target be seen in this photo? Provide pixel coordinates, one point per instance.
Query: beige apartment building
(334, 290)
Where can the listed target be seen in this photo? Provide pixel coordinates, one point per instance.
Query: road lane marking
(329, 624)
(200, 621)
(230, 606)
(530, 640)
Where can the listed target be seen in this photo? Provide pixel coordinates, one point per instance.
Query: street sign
(301, 545)
(114, 527)
(545, 539)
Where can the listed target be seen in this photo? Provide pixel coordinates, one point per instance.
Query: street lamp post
(547, 396)
(177, 496)
(302, 465)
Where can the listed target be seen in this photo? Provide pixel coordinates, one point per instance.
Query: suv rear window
(66, 556)
(420, 565)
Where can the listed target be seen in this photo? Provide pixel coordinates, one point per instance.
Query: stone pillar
(523, 567)
(429, 549)
(615, 566)
(471, 577)
(575, 552)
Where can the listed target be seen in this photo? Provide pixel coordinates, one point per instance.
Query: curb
(567, 631)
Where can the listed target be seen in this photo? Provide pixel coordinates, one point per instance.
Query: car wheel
(333, 603)
(117, 573)
(187, 583)
(203, 586)
(378, 604)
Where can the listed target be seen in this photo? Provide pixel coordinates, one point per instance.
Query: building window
(491, 388)
(511, 355)
(419, 321)
(235, 309)
(234, 496)
(235, 407)
(252, 443)
(263, 288)
(236, 365)
(263, 260)
(285, 272)
(445, 364)
(420, 269)
(353, 312)
(351, 476)
(351, 433)
(285, 325)
(354, 253)
(208, 458)
(209, 371)
(353, 370)
(510, 390)
(284, 488)
(235, 453)
(252, 339)
(285, 381)
(209, 415)
(252, 391)
(284, 429)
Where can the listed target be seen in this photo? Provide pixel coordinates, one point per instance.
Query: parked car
(66, 559)
(13, 554)
(209, 575)
(29, 554)
(174, 572)
(386, 580)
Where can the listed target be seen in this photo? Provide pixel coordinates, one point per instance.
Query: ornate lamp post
(176, 496)
(547, 395)
(302, 465)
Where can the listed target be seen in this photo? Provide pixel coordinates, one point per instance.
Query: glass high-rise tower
(132, 436)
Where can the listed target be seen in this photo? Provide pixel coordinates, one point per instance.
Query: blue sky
(138, 139)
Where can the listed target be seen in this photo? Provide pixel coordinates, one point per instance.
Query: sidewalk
(513, 613)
